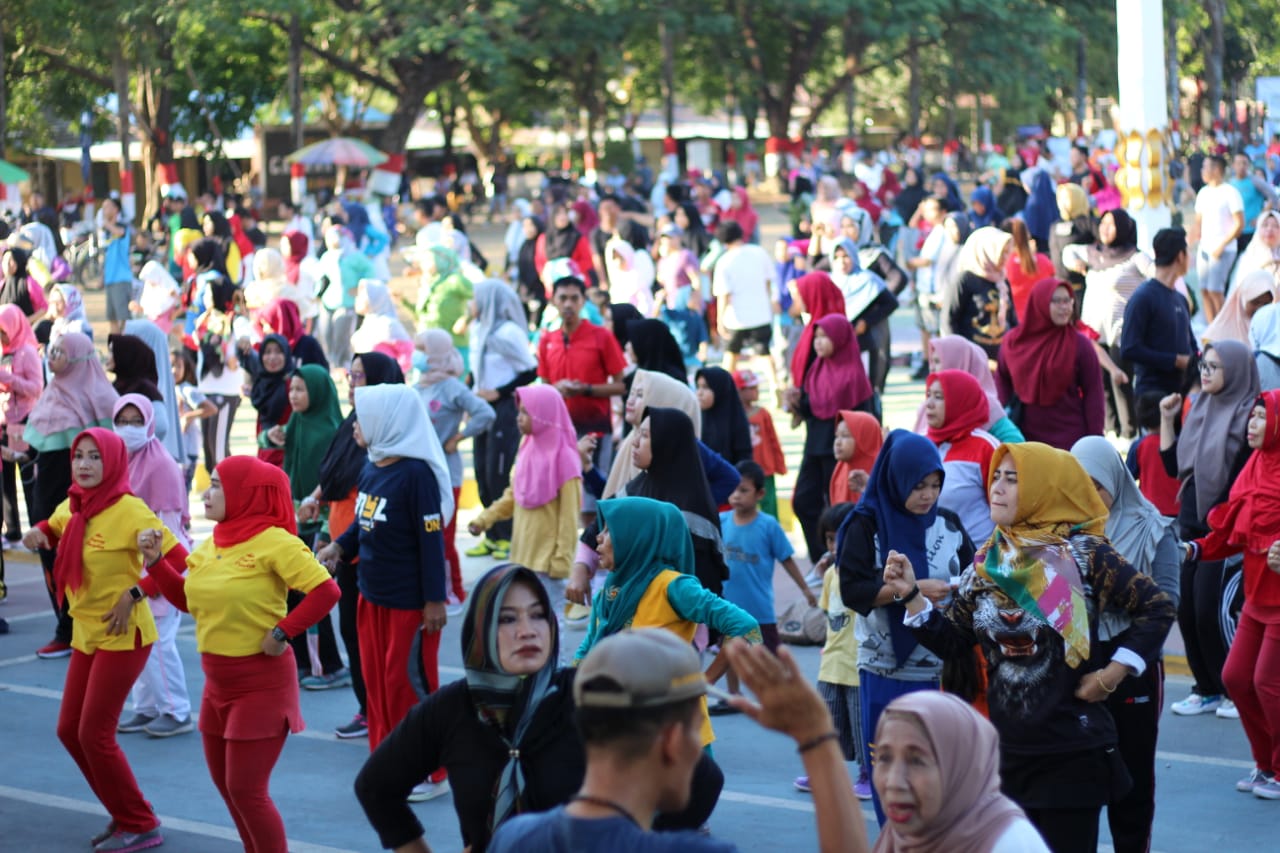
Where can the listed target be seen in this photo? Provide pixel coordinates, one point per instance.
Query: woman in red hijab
(235, 588)
(813, 295)
(293, 246)
(859, 437)
(832, 379)
(955, 409)
(1053, 370)
(281, 317)
(1248, 522)
(741, 212)
(98, 569)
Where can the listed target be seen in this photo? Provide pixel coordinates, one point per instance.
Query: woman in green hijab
(444, 296)
(646, 547)
(305, 439)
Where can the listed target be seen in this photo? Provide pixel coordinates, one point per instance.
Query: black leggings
(347, 627)
(1135, 706)
(810, 498)
(494, 451)
(52, 480)
(704, 793)
(1200, 621)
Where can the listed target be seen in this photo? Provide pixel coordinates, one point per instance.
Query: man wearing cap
(584, 362)
(638, 696)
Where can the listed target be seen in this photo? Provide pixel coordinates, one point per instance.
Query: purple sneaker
(802, 784)
(127, 842)
(862, 787)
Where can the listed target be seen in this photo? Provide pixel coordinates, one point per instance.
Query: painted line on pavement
(176, 824)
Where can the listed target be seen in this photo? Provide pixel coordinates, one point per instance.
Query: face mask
(134, 437)
(420, 361)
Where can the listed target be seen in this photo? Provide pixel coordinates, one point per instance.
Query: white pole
(1143, 145)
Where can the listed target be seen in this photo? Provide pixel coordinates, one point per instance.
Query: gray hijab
(1214, 430)
(150, 333)
(496, 304)
(1134, 526)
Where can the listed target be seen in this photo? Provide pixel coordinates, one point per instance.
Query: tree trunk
(155, 108)
(668, 77)
(295, 79)
(913, 94)
(395, 136)
(4, 94)
(1214, 56)
(1082, 82)
(1171, 60)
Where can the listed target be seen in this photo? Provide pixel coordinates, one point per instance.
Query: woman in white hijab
(1249, 294)
(631, 274)
(1264, 340)
(514, 238)
(161, 295)
(1147, 540)
(381, 330)
(1263, 252)
(396, 426)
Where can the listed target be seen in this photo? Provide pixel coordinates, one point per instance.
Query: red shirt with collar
(589, 354)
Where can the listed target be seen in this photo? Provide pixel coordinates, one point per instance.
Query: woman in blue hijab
(944, 189)
(982, 207)
(899, 512)
(1042, 207)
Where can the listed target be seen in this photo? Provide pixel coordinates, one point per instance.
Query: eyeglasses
(1209, 367)
(355, 375)
(56, 352)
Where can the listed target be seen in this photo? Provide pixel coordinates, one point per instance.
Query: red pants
(451, 552)
(386, 637)
(1252, 679)
(241, 771)
(92, 699)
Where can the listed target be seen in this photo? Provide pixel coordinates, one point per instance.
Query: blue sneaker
(328, 681)
(1196, 704)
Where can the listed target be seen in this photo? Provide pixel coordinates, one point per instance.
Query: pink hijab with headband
(443, 358)
(966, 747)
(79, 397)
(958, 353)
(548, 456)
(153, 475)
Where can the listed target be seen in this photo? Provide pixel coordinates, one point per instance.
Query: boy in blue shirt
(753, 543)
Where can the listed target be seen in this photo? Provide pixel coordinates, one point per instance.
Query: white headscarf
(150, 333)
(500, 328)
(1258, 256)
(633, 285)
(160, 292)
(43, 247)
(1264, 330)
(381, 324)
(395, 423)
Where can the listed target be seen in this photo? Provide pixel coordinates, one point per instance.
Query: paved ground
(45, 804)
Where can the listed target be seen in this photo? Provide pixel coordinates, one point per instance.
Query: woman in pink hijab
(545, 494)
(22, 380)
(161, 703)
(953, 352)
(937, 771)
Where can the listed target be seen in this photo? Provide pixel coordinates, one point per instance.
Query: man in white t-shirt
(1219, 221)
(743, 284)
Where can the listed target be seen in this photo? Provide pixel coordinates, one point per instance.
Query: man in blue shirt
(639, 701)
(1157, 337)
(117, 272)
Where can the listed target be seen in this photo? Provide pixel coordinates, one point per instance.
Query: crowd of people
(997, 581)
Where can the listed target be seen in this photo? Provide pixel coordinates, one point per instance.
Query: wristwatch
(136, 593)
(278, 634)
(915, 590)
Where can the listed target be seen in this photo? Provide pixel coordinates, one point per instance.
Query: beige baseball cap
(642, 668)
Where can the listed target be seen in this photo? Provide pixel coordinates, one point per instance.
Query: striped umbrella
(339, 151)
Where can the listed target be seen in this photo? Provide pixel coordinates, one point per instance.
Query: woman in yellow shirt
(235, 588)
(98, 570)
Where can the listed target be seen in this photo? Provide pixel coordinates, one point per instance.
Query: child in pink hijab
(545, 495)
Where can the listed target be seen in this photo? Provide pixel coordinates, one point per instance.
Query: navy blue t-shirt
(399, 534)
(557, 832)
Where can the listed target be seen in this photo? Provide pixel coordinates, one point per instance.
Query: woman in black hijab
(134, 365)
(913, 192)
(338, 474)
(673, 472)
(16, 290)
(724, 422)
(529, 284)
(652, 347)
(622, 314)
(269, 393)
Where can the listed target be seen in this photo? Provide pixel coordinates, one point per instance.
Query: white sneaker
(428, 791)
(1196, 704)
(1227, 710)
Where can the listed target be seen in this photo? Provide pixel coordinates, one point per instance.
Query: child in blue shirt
(753, 543)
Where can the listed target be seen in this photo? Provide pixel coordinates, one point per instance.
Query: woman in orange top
(236, 589)
(98, 570)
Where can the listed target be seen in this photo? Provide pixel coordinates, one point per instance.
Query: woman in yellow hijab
(1031, 602)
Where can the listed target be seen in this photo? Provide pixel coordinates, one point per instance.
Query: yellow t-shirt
(839, 663)
(655, 611)
(112, 564)
(237, 594)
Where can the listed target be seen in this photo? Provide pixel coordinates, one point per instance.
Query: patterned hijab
(649, 537)
(1030, 559)
(506, 702)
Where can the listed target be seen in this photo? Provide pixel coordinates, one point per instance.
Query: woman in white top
(500, 363)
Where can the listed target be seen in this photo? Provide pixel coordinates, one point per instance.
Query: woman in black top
(504, 732)
(725, 428)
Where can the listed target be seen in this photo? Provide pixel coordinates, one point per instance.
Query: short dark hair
(728, 232)
(833, 516)
(631, 731)
(425, 205)
(1148, 411)
(749, 469)
(569, 281)
(1082, 150)
(1217, 159)
(288, 202)
(1168, 244)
